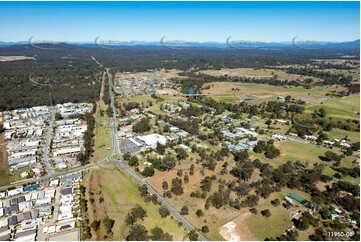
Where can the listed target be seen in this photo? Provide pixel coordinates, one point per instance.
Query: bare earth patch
(237, 229)
(228, 232)
(15, 58)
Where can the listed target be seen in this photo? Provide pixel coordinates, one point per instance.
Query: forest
(67, 73)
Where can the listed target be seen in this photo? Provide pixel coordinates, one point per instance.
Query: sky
(179, 21)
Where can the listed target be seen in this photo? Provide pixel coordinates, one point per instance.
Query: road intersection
(114, 157)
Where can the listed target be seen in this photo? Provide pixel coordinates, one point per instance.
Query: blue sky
(190, 21)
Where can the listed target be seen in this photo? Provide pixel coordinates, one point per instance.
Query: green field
(102, 131)
(121, 195)
(271, 227)
(340, 134)
(296, 151)
(263, 92)
(257, 72)
(345, 107)
(227, 98)
(4, 167)
(4, 178)
(354, 73)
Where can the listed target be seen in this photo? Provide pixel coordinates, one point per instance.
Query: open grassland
(273, 226)
(305, 152)
(257, 73)
(310, 154)
(120, 196)
(355, 73)
(102, 131)
(231, 91)
(346, 107)
(340, 134)
(278, 127)
(4, 165)
(139, 99)
(144, 99)
(355, 63)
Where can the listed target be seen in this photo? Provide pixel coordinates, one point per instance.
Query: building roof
(153, 139)
(34, 213)
(67, 191)
(23, 216)
(13, 201)
(21, 199)
(31, 187)
(297, 198)
(12, 220)
(14, 208)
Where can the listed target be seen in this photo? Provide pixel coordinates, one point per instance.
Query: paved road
(122, 166)
(56, 175)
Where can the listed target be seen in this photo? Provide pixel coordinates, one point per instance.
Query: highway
(109, 159)
(123, 166)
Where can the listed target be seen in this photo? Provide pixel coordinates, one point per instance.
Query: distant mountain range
(210, 44)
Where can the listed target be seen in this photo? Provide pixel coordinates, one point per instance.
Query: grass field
(4, 177)
(273, 226)
(224, 98)
(293, 151)
(254, 73)
(345, 107)
(263, 92)
(4, 166)
(120, 196)
(156, 110)
(296, 151)
(355, 73)
(138, 99)
(102, 132)
(340, 133)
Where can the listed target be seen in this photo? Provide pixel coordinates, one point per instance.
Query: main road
(123, 166)
(113, 157)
